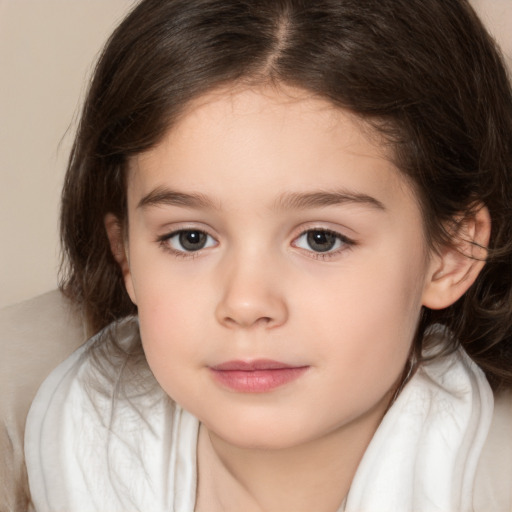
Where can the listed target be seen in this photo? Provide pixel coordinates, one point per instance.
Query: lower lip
(257, 381)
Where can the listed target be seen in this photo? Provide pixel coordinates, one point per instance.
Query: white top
(100, 437)
(103, 436)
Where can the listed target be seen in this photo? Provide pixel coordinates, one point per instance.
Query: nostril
(247, 322)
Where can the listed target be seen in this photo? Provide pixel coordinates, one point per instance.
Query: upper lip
(251, 366)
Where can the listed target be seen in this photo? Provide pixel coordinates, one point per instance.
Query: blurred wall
(47, 49)
(497, 15)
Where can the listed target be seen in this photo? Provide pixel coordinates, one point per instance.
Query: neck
(313, 476)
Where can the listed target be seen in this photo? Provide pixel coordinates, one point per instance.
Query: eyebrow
(162, 196)
(326, 198)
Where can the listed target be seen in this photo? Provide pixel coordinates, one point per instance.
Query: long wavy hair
(424, 73)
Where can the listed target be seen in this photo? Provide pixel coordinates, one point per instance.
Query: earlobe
(455, 268)
(119, 250)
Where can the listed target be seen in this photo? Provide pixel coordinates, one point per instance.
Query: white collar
(424, 455)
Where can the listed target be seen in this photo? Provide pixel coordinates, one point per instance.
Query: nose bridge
(250, 292)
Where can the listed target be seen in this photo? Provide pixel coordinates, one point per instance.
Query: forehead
(237, 106)
(276, 139)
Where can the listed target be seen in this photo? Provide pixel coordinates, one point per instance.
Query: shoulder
(493, 484)
(96, 427)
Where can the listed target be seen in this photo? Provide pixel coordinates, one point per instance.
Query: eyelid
(331, 227)
(169, 229)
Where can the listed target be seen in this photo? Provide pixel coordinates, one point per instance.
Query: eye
(188, 240)
(321, 241)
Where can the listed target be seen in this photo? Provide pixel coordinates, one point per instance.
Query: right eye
(188, 240)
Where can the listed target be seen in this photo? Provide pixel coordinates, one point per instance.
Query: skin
(258, 290)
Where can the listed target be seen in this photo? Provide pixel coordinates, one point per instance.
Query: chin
(261, 435)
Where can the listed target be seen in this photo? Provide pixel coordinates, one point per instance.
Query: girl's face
(278, 261)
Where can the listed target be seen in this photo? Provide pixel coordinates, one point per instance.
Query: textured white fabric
(424, 455)
(102, 435)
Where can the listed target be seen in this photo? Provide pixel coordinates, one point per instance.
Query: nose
(251, 296)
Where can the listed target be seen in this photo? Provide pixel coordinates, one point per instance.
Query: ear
(453, 269)
(119, 248)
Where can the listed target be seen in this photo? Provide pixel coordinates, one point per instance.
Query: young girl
(290, 225)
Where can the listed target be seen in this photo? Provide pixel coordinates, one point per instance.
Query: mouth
(258, 376)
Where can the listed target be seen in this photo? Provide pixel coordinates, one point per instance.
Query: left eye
(320, 240)
(189, 240)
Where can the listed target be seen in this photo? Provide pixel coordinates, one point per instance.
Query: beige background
(47, 49)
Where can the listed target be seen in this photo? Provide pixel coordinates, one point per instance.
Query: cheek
(164, 290)
(170, 314)
(169, 338)
(367, 345)
(369, 315)
(169, 305)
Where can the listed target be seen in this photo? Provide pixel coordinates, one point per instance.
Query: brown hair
(425, 73)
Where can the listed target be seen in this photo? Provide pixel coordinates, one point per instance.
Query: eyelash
(346, 243)
(166, 240)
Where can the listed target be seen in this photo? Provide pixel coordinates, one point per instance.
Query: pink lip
(256, 376)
